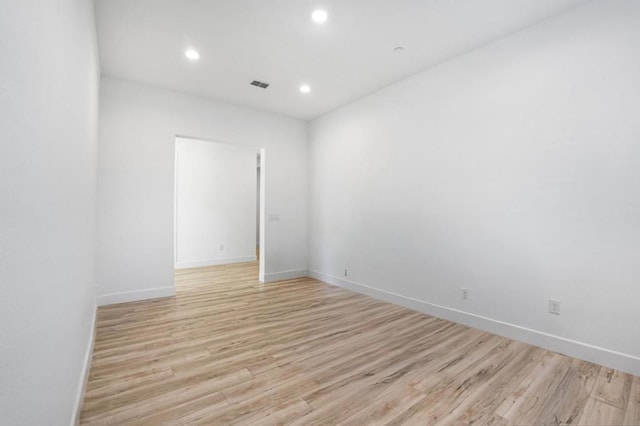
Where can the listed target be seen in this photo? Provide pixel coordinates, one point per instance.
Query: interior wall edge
(215, 262)
(284, 275)
(135, 296)
(620, 361)
(86, 368)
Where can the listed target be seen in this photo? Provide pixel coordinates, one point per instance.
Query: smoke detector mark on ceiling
(259, 84)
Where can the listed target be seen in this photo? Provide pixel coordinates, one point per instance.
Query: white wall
(511, 170)
(48, 114)
(258, 203)
(138, 126)
(215, 203)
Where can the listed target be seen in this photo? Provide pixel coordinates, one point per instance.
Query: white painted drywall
(258, 203)
(215, 203)
(511, 170)
(138, 127)
(48, 113)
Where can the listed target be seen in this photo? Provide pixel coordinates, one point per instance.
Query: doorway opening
(218, 212)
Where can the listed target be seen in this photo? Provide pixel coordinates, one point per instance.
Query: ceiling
(275, 41)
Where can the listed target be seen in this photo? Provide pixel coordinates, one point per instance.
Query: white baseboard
(86, 367)
(132, 296)
(213, 262)
(609, 358)
(284, 275)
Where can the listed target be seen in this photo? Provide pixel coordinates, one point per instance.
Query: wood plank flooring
(228, 350)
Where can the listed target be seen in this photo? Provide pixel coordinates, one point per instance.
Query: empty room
(320, 212)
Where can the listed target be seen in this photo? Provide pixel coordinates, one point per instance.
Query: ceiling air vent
(259, 84)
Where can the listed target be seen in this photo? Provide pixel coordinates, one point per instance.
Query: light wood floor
(227, 350)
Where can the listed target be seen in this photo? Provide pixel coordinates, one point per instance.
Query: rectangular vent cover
(259, 84)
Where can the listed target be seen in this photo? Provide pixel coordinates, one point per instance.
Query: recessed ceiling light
(319, 15)
(192, 54)
(305, 88)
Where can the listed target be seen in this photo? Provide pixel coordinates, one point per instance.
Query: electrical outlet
(345, 272)
(221, 247)
(465, 293)
(554, 307)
